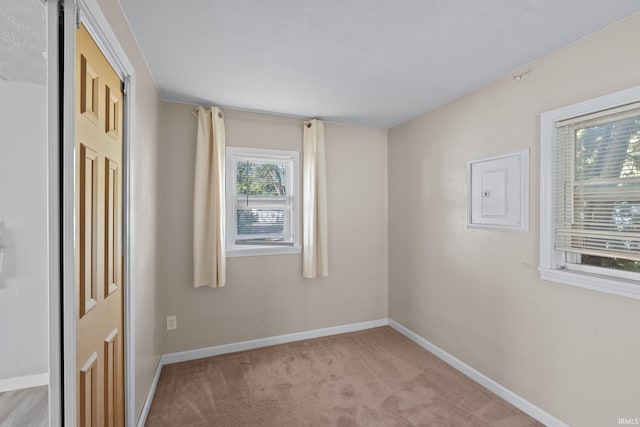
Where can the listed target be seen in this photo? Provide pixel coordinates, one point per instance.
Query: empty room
(320, 213)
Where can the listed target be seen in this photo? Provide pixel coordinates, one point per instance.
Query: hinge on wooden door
(125, 87)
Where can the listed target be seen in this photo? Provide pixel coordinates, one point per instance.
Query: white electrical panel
(498, 192)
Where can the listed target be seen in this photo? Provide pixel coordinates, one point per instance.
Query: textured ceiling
(369, 62)
(23, 39)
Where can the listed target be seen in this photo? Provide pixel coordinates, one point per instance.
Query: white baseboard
(517, 401)
(28, 381)
(152, 390)
(200, 353)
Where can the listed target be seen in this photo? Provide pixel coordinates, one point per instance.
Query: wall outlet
(172, 323)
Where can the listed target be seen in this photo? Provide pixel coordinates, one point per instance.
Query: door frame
(88, 13)
(54, 226)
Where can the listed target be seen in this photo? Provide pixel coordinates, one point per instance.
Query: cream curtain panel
(315, 255)
(209, 259)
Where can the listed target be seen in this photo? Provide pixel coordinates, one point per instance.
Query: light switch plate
(498, 191)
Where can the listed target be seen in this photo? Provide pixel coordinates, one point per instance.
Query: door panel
(110, 379)
(89, 88)
(88, 222)
(112, 228)
(98, 129)
(88, 393)
(113, 112)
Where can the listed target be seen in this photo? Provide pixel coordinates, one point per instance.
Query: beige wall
(148, 332)
(266, 295)
(476, 294)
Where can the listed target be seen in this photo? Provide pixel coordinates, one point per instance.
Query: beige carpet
(375, 377)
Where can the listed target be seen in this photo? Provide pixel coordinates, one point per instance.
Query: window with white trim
(590, 193)
(261, 197)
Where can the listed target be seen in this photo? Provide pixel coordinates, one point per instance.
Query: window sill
(264, 250)
(594, 282)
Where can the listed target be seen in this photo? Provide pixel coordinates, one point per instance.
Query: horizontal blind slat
(602, 253)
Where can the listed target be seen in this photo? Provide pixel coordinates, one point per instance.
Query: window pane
(261, 199)
(615, 263)
(262, 225)
(606, 194)
(260, 178)
(609, 150)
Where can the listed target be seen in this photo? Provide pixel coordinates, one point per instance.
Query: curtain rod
(195, 111)
(259, 116)
(275, 118)
(266, 117)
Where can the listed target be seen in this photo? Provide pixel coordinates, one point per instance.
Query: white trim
(184, 356)
(129, 252)
(129, 231)
(523, 156)
(551, 260)
(546, 192)
(27, 381)
(501, 391)
(98, 26)
(96, 23)
(263, 250)
(601, 271)
(53, 217)
(605, 102)
(621, 287)
(67, 223)
(152, 391)
(266, 153)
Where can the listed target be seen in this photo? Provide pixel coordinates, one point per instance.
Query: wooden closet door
(98, 237)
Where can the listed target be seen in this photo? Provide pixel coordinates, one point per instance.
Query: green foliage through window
(261, 179)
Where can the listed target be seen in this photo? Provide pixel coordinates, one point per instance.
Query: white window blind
(597, 184)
